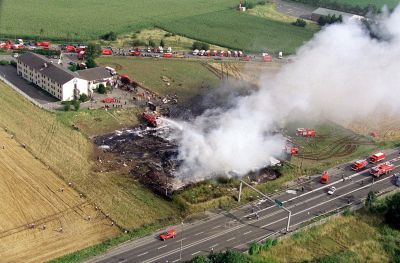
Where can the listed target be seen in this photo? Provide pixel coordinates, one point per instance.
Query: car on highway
(331, 190)
(168, 234)
(397, 179)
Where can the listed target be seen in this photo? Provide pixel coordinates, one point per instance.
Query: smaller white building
(60, 82)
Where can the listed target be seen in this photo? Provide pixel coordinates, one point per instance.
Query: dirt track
(30, 193)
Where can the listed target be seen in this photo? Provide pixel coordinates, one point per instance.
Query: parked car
(331, 190)
(168, 234)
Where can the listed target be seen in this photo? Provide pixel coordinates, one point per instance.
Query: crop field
(361, 237)
(30, 194)
(88, 19)
(69, 153)
(389, 3)
(236, 30)
(182, 77)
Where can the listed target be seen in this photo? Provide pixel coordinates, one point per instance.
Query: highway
(239, 228)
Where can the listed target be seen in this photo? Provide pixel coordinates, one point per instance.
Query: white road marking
(176, 260)
(238, 227)
(195, 253)
(181, 239)
(142, 254)
(248, 232)
(214, 245)
(216, 227)
(162, 247)
(199, 233)
(230, 239)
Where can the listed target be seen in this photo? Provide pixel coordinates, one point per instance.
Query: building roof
(325, 12)
(40, 63)
(92, 74)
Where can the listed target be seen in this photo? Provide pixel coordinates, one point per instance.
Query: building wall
(63, 92)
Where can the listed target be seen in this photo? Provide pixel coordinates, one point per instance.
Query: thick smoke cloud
(341, 74)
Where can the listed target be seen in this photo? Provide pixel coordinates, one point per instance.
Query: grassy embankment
(68, 153)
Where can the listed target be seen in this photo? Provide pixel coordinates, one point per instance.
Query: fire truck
(377, 157)
(359, 165)
(150, 118)
(306, 132)
(381, 169)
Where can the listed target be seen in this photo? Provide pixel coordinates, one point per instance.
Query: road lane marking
(216, 227)
(230, 239)
(199, 233)
(238, 227)
(143, 254)
(162, 247)
(248, 232)
(195, 253)
(176, 260)
(214, 245)
(180, 240)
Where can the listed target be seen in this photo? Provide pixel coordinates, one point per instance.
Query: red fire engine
(381, 169)
(306, 132)
(377, 157)
(358, 165)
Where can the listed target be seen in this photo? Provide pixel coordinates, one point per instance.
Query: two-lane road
(238, 228)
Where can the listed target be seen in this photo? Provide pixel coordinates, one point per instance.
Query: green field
(186, 78)
(216, 22)
(88, 19)
(362, 3)
(237, 30)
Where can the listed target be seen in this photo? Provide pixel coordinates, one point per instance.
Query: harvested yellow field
(42, 217)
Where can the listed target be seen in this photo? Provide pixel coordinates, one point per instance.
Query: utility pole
(278, 203)
(180, 253)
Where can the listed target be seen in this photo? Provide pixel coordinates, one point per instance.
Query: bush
(93, 50)
(74, 67)
(249, 5)
(101, 89)
(261, 2)
(4, 62)
(83, 97)
(300, 22)
(67, 106)
(201, 259)
(392, 215)
(168, 34)
(90, 63)
(152, 43)
(110, 36)
(254, 249)
(137, 43)
(162, 43)
(76, 104)
(13, 63)
(47, 52)
(200, 45)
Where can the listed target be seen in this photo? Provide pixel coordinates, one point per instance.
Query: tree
(74, 67)
(110, 36)
(67, 106)
(392, 215)
(101, 89)
(322, 21)
(77, 104)
(152, 43)
(162, 43)
(300, 22)
(93, 50)
(200, 45)
(90, 63)
(83, 97)
(371, 198)
(201, 259)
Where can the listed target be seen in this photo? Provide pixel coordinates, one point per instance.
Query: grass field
(237, 30)
(95, 122)
(76, 19)
(30, 194)
(186, 78)
(362, 3)
(69, 154)
(361, 237)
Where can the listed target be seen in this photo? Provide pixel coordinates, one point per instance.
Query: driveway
(10, 73)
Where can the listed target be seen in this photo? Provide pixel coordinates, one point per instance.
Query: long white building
(58, 81)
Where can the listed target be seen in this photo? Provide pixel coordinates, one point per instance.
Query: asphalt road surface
(239, 228)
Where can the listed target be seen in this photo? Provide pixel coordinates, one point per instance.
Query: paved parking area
(10, 73)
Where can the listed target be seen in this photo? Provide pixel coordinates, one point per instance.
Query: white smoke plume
(341, 74)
